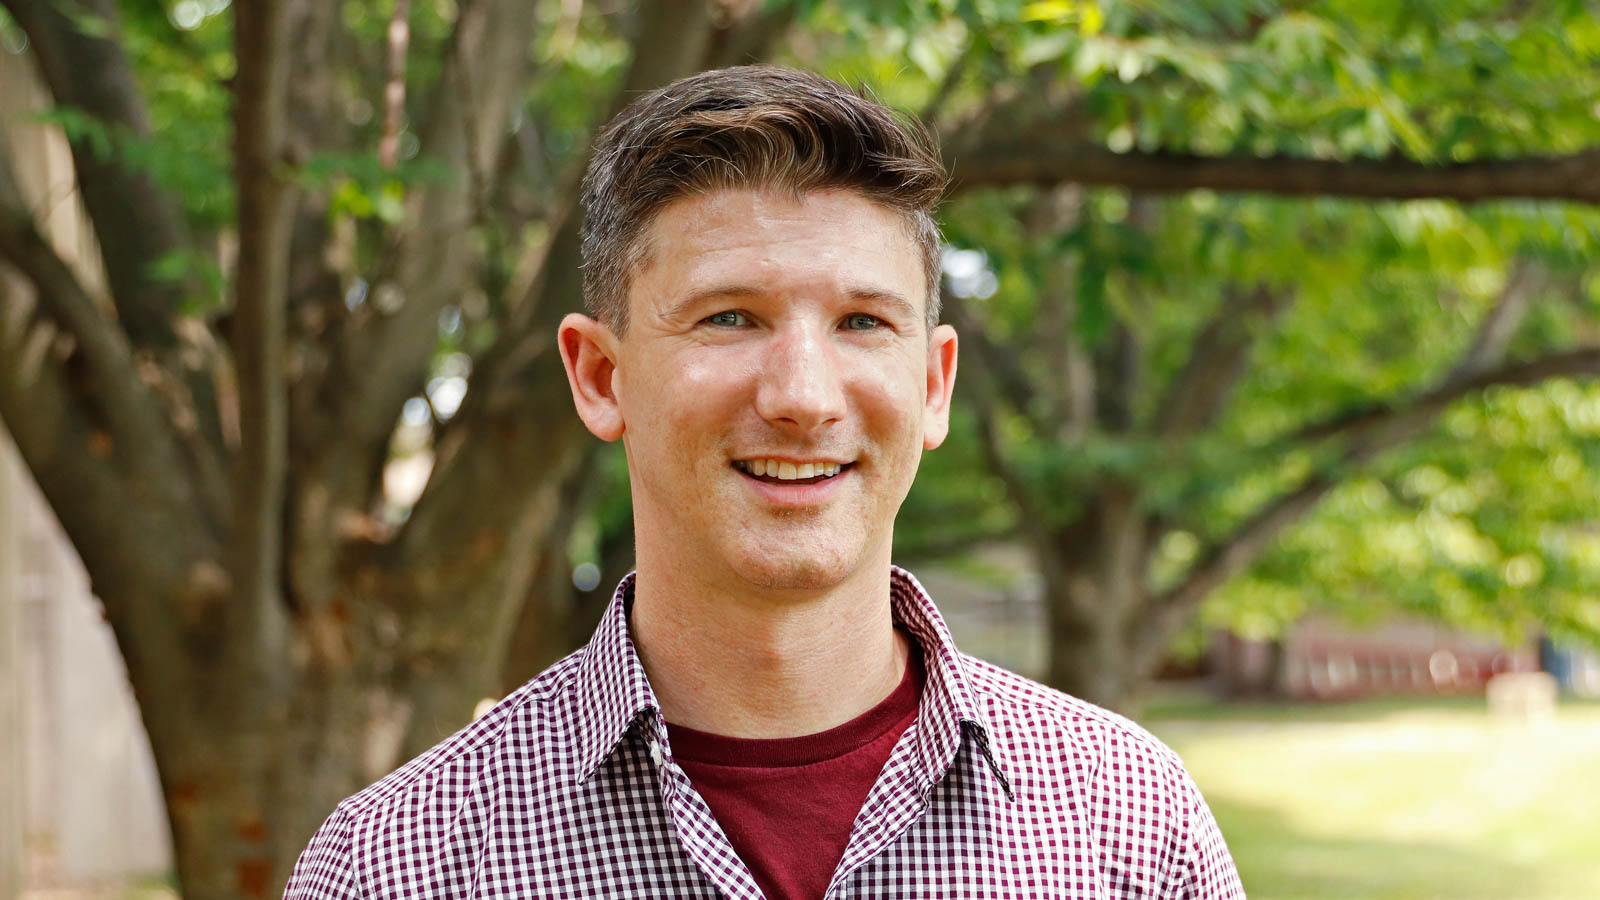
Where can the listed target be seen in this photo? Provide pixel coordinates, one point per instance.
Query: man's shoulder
(1125, 783)
(1027, 713)
(403, 821)
(459, 761)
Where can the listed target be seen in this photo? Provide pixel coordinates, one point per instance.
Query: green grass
(1389, 800)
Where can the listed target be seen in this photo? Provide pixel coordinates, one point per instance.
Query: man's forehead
(732, 241)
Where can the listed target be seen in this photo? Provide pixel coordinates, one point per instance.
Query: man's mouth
(783, 471)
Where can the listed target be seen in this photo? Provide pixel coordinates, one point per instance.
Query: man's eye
(861, 322)
(729, 319)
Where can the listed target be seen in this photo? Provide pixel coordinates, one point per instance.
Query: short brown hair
(744, 127)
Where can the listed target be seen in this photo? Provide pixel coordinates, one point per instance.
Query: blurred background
(1277, 427)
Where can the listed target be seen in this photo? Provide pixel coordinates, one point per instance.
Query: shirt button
(655, 753)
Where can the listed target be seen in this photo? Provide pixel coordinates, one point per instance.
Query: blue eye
(861, 322)
(729, 319)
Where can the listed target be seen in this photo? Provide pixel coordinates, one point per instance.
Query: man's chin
(798, 570)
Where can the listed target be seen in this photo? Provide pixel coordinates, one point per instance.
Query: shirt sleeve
(1205, 871)
(326, 868)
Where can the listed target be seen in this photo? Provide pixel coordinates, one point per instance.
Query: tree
(1156, 462)
(319, 223)
(1164, 386)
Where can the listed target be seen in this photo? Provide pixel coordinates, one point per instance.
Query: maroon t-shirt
(787, 804)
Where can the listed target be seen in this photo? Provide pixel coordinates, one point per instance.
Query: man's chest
(624, 833)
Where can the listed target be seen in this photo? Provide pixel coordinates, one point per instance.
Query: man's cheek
(893, 409)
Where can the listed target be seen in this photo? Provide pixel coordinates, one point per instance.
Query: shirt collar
(611, 693)
(950, 707)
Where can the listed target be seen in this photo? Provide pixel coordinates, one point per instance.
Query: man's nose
(801, 381)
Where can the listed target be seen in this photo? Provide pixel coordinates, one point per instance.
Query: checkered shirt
(1001, 788)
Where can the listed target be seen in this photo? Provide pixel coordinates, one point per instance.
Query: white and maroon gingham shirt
(1001, 788)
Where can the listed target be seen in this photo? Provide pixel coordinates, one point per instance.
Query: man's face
(771, 337)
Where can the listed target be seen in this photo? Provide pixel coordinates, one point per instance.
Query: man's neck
(757, 664)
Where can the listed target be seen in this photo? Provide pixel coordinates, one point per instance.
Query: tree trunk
(242, 800)
(541, 635)
(1095, 657)
(1095, 595)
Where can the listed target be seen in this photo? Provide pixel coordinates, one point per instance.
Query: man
(769, 708)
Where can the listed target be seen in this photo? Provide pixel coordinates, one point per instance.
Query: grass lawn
(1388, 800)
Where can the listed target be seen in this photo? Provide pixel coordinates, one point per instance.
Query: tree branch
(746, 39)
(1002, 368)
(984, 382)
(118, 390)
(386, 356)
(1374, 429)
(992, 446)
(951, 80)
(464, 561)
(1238, 551)
(1031, 159)
(1471, 371)
(1068, 390)
(1366, 422)
(1119, 360)
(259, 331)
(1372, 432)
(378, 356)
(672, 40)
(540, 636)
(150, 560)
(394, 89)
(1494, 334)
(1118, 371)
(1217, 359)
(322, 265)
(137, 223)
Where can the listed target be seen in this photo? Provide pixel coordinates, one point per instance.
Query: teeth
(789, 471)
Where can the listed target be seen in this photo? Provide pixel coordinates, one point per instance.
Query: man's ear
(941, 382)
(589, 351)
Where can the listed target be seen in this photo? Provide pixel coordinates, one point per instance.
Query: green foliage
(1489, 524)
(188, 163)
(184, 77)
(358, 185)
(197, 271)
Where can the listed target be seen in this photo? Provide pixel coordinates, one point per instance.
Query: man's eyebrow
(739, 292)
(887, 298)
(720, 292)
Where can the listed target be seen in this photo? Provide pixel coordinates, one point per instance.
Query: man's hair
(762, 127)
